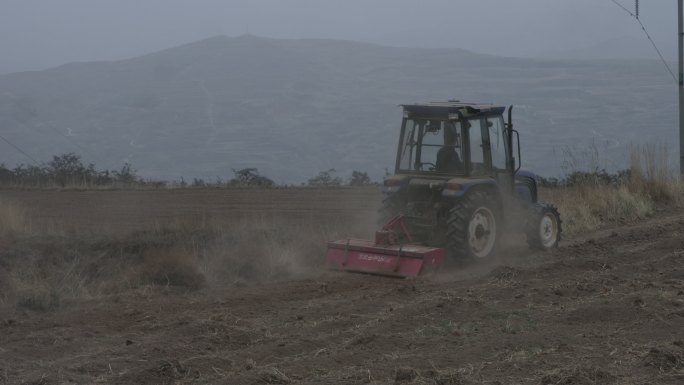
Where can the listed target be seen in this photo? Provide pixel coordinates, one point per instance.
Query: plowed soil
(605, 308)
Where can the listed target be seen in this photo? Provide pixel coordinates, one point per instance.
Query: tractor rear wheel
(473, 227)
(543, 229)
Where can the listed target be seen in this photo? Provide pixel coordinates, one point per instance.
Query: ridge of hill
(292, 108)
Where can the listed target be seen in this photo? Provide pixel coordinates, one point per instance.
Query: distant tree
(35, 176)
(66, 164)
(6, 175)
(359, 178)
(68, 168)
(126, 175)
(325, 178)
(250, 177)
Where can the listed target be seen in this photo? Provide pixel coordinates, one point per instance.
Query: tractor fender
(526, 187)
(458, 188)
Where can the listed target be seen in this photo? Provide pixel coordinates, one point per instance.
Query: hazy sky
(36, 34)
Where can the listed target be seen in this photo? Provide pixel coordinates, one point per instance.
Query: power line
(20, 150)
(621, 6)
(643, 28)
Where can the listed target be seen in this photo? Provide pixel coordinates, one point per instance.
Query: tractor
(457, 187)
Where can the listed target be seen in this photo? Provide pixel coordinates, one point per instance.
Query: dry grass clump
(256, 250)
(13, 219)
(664, 360)
(42, 272)
(597, 199)
(588, 206)
(651, 175)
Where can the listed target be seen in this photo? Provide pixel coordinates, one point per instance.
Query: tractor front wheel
(543, 228)
(473, 228)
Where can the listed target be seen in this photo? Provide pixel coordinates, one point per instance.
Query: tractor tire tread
(457, 224)
(532, 225)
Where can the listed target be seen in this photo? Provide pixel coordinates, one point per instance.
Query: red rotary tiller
(386, 255)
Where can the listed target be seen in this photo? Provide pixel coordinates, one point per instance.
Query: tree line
(68, 170)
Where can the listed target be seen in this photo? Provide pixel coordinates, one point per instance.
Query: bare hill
(295, 107)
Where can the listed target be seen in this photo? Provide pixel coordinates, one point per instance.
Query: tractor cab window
(431, 145)
(477, 148)
(497, 142)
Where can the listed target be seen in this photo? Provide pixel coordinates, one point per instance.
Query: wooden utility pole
(680, 36)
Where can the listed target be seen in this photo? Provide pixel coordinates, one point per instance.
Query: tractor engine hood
(395, 183)
(449, 186)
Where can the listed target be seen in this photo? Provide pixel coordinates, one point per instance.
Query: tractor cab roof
(451, 109)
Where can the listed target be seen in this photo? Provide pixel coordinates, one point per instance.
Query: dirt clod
(272, 375)
(362, 340)
(664, 360)
(578, 376)
(404, 375)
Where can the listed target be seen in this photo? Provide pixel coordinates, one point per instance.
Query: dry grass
(588, 207)
(595, 203)
(42, 272)
(256, 250)
(13, 219)
(651, 175)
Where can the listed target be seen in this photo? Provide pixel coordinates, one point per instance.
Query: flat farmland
(123, 211)
(605, 308)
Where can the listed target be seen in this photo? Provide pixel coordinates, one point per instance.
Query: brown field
(225, 286)
(93, 212)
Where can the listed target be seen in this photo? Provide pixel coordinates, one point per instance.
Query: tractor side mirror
(516, 165)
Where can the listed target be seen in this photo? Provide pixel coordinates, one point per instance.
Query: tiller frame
(386, 255)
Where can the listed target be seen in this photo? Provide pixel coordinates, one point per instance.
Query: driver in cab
(448, 160)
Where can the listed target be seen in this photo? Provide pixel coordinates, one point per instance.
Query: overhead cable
(20, 150)
(643, 28)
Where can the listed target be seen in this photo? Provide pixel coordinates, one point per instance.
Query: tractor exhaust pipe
(509, 134)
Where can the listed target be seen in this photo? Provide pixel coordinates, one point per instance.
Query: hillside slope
(295, 107)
